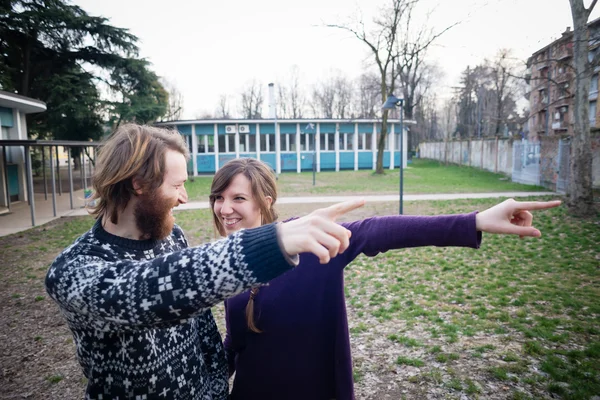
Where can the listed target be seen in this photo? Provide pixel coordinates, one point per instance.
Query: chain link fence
(526, 163)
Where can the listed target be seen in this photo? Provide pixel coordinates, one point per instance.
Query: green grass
(544, 292)
(534, 301)
(421, 177)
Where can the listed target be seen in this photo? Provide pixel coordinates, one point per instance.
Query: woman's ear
(269, 201)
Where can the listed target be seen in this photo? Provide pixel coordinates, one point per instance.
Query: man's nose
(183, 197)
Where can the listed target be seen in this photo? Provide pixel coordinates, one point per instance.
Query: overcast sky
(209, 48)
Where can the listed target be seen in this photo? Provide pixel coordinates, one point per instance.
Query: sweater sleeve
(375, 235)
(127, 293)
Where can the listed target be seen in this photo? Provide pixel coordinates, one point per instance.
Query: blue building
(292, 144)
(13, 126)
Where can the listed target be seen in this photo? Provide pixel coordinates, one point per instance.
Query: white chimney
(272, 105)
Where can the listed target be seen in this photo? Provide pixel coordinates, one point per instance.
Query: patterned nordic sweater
(140, 313)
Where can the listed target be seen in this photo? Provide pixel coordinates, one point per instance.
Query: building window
(206, 144)
(307, 142)
(592, 112)
(247, 143)
(593, 84)
(267, 143)
(327, 141)
(288, 142)
(347, 141)
(365, 142)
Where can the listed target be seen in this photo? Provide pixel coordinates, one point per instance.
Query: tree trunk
(580, 193)
(381, 143)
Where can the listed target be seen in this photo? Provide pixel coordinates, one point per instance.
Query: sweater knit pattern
(140, 312)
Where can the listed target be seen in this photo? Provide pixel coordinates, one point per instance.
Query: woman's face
(236, 207)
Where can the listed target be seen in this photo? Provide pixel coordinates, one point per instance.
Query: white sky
(209, 48)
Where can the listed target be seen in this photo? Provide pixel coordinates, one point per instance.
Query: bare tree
(282, 103)
(448, 118)
(343, 96)
(204, 114)
(503, 73)
(448, 122)
(366, 102)
(412, 70)
(223, 107)
(332, 97)
(252, 100)
(469, 99)
(291, 98)
(323, 98)
(175, 104)
(383, 44)
(581, 198)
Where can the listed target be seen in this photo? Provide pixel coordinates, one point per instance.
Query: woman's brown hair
(132, 151)
(263, 184)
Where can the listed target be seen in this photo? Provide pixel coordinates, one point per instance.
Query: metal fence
(526, 162)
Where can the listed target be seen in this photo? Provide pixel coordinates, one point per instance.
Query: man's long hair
(131, 152)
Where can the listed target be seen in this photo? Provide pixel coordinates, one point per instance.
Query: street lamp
(390, 104)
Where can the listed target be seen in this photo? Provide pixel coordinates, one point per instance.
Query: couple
(137, 298)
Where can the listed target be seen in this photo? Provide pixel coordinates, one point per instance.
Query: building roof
(22, 103)
(281, 121)
(566, 35)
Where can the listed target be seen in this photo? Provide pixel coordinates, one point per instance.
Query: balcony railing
(559, 125)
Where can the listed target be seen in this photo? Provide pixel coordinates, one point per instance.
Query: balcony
(563, 77)
(564, 53)
(559, 125)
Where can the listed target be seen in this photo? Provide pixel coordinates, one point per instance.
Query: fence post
(482, 149)
(496, 167)
(470, 147)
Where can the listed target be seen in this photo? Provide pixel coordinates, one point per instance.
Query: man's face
(154, 211)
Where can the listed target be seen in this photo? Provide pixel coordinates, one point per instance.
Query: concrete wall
(494, 155)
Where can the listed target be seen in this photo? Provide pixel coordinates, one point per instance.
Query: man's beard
(153, 216)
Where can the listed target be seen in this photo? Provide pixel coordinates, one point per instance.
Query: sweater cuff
(263, 253)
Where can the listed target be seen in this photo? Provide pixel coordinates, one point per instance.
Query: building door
(13, 182)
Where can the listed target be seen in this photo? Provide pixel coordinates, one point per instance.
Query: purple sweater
(304, 349)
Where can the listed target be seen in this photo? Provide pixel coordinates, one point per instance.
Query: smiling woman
(290, 339)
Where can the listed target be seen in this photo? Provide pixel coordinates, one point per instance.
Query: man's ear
(137, 187)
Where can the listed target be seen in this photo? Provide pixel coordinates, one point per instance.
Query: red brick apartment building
(551, 100)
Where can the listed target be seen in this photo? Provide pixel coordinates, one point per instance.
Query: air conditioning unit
(230, 129)
(244, 128)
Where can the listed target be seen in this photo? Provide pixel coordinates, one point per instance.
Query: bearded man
(135, 296)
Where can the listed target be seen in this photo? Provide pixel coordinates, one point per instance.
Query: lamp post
(311, 127)
(390, 104)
